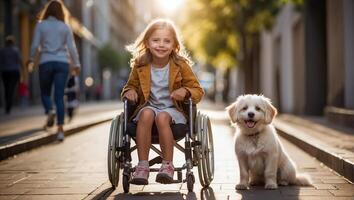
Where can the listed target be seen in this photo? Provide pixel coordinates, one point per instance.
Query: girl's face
(161, 44)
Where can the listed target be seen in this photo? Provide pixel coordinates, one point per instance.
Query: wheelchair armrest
(186, 108)
(129, 107)
(190, 108)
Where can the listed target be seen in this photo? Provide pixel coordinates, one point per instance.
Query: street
(66, 66)
(77, 169)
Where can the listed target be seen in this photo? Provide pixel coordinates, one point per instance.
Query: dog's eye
(258, 108)
(244, 108)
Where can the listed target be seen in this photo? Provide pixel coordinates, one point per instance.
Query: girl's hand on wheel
(179, 94)
(131, 95)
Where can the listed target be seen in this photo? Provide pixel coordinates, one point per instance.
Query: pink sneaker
(140, 176)
(165, 175)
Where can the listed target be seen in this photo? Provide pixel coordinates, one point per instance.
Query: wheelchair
(198, 147)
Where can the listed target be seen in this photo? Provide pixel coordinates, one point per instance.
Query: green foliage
(216, 31)
(110, 58)
(209, 32)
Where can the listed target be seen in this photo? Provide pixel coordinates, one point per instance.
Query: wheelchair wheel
(115, 140)
(208, 146)
(205, 151)
(126, 185)
(197, 149)
(190, 182)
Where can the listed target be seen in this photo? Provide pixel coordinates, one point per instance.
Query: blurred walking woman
(10, 65)
(53, 40)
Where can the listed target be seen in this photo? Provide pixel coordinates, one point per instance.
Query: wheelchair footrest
(177, 169)
(176, 181)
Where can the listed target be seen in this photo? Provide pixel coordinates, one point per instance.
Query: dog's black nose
(250, 114)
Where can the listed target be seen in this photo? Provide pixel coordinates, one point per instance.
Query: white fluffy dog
(260, 154)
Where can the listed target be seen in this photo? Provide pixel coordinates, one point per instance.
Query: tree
(225, 33)
(209, 32)
(110, 58)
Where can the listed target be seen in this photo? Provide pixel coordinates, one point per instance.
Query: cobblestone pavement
(76, 169)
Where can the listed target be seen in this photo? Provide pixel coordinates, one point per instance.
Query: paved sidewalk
(23, 129)
(37, 110)
(327, 185)
(35, 115)
(77, 169)
(329, 143)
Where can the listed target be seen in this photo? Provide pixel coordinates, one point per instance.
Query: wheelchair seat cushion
(179, 131)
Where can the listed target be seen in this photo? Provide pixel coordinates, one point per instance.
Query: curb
(337, 159)
(45, 137)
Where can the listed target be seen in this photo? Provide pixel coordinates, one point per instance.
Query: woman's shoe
(60, 136)
(50, 119)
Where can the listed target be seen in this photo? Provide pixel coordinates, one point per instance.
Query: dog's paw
(271, 186)
(241, 187)
(256, 182)
(283, 183)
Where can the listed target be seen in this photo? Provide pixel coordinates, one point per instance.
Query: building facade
(307, 59)
(94, 23)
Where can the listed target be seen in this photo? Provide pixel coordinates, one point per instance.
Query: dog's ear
(270, 113)
(231, 109)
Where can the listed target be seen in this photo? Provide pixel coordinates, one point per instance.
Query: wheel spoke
(114, 154)
(205, 155)
(210, 153)
(115, 140)
(109, 156)
(199, 149)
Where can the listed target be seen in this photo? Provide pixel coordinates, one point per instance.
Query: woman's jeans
(57, 73)
(10, 79)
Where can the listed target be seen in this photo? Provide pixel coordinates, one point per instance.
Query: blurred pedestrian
(98, 92)
(72, 94)
(23, 93)
(10, 66)
(53, 39)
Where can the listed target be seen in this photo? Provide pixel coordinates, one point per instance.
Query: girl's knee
(146, 115)
(163, 119)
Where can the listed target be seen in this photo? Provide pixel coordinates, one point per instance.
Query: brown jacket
(180, 75)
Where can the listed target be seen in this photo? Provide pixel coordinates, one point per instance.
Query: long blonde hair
(141, 54)
(55, 8)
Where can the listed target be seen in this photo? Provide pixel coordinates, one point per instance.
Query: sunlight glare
(170, 5)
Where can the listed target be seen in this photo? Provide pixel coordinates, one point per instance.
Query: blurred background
(298, 53)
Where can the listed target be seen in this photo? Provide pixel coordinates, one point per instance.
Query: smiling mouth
(161, 51)
(250, 123)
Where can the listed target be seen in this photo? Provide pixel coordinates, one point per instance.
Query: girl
(54, 40)
(160, 80)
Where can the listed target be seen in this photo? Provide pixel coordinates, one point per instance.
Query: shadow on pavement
(153, 196)
(207, 194)
(104, 194)
(258, 192)
(10, 138)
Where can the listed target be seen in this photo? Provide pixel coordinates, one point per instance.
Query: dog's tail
(303, 180)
